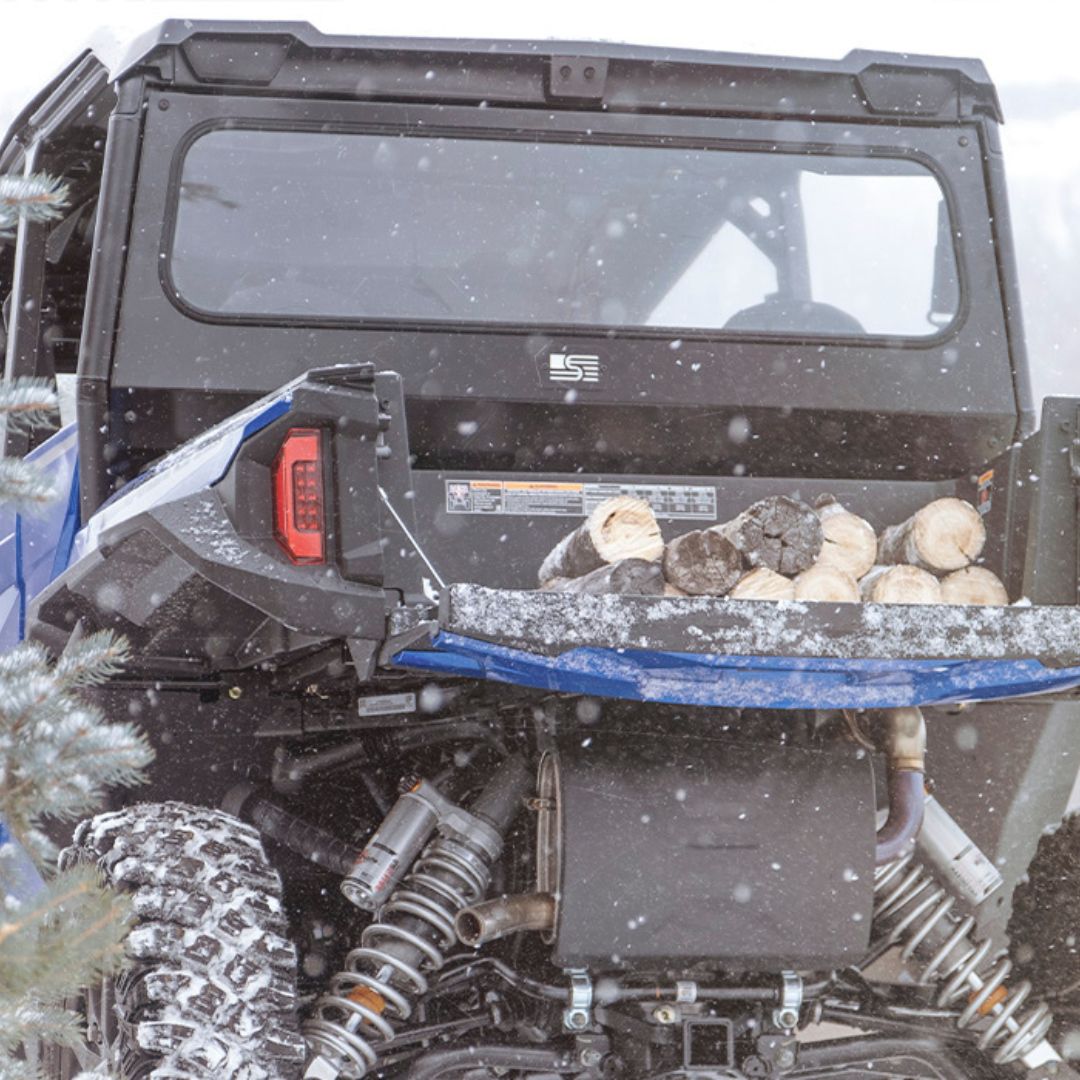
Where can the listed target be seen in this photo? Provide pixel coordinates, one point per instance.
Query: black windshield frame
(600, 135)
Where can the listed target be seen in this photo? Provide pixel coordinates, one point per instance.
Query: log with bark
(702, 563)
(763, 584)
(900, 585)
(944, 535)
(619, 528)
(780, 533)
(850, 541)
(827, 583)
(637, 577)
(974, 585)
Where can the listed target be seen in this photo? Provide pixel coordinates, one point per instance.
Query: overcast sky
(1030, 47)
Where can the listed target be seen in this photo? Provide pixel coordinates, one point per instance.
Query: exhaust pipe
(905, 747)
(494, 919)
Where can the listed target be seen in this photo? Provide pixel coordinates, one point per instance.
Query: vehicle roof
(295, 58)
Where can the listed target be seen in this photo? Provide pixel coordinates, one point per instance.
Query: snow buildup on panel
(557, 622)
(212, 530)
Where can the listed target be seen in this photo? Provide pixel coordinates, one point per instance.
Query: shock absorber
(416, 888)
(920, 914)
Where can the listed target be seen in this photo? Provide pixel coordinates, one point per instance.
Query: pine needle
(71, 938)
(23, 486)
(28, 402)
(39, 197)
(92, 660)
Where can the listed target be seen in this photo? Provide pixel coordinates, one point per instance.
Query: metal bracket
(578, 1015)
(786, 1014)
(583, 78)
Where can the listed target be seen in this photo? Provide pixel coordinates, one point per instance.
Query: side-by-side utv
(358, 330)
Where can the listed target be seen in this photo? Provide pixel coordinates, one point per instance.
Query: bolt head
(665, 1014)
(576, 1019)
(786, 1019)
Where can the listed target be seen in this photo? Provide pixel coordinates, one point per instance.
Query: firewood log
(850, 541)
(974, 585)
(900, 585)
(778, 532)
(944, 535)
(763, 584)
(638, 577)
(619, 528)
(827, 583)
(673, 590)
(554, 584)
(702, 563)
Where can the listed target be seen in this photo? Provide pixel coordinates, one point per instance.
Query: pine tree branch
(24, 657)
(68, 776)
(26, 1018)
(72, 938)
(28, 402)
(39, 197)
(93, 660)
(23, 486)
(58, 755)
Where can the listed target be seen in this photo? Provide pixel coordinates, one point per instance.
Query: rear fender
(184, 563)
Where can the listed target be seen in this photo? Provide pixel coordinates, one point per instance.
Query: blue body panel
(35, 548)
(765, 682)
(20, 881)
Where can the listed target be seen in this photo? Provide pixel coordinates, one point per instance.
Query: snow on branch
(58, 755)
(70, 937)
(38, 197)
(23, 486)
(28, 402)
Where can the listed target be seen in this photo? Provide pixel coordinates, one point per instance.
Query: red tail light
(299, 519)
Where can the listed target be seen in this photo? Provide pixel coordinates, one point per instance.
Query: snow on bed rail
(551, 623)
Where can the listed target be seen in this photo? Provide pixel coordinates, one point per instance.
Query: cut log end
(702, 563)
(850, 541)
(619, 528)
(824, 583)
(779, 533)
(900, 585)
(763, 584)
(947, 534)
(974, 585)
(625, 528)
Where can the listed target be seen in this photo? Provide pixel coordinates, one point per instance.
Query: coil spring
(967, 968)
(380, 978)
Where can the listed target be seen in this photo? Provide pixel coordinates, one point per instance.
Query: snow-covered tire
(211, 990)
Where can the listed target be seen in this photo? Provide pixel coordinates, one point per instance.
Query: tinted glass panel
(313, 225)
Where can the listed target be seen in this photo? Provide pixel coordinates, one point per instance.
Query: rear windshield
(315, 225)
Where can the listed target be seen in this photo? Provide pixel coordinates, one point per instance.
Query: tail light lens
(299, 517)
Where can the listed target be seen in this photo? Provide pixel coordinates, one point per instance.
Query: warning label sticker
(559, 499)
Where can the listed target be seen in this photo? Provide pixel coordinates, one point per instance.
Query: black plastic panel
(771, 850)
(479, 397)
